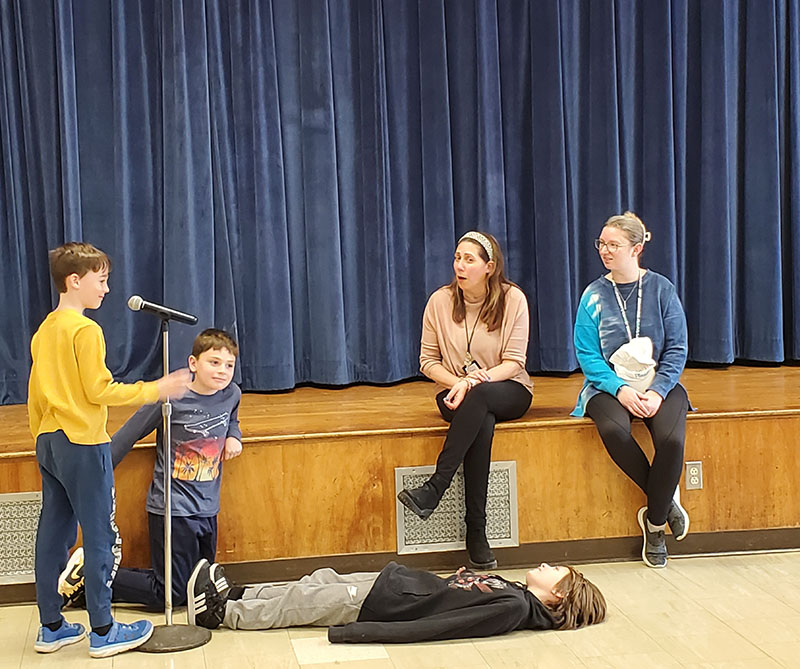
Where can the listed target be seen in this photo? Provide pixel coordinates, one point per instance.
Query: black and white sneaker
(204, 605)
(678, 520)
(654, 549)
(70, 581)
(197, 590)
(221, 584)
(77, 601)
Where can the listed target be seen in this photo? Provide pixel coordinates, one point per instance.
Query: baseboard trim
(577, 551)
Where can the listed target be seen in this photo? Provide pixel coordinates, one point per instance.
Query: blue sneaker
(50, 642)
(120, 637)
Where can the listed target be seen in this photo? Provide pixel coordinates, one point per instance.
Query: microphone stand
(170, 638)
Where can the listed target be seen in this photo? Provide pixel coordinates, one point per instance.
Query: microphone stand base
(174, 638)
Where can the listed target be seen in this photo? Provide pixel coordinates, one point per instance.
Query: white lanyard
(638, 307)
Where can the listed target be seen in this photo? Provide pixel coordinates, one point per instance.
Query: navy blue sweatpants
(193, 538)
(77, 487)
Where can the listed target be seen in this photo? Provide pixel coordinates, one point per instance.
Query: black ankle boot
(423, 500)
(480, 553)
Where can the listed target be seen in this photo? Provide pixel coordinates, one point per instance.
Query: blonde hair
(496, 287)
(75, 258)
(631, 225)
(581, 603)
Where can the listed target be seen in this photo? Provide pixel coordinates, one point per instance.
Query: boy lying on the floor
(398, 604)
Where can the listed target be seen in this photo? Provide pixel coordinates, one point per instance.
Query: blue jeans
(77, 487)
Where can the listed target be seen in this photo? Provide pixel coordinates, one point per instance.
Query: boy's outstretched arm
(137, 427)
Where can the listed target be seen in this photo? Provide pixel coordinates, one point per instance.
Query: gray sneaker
(678, 520)
(654, 550)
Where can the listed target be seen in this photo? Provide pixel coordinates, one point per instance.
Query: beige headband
(483, 240)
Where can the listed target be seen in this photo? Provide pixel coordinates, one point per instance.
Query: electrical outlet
(694, 475)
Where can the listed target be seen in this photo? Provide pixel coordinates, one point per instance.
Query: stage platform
(315, 483)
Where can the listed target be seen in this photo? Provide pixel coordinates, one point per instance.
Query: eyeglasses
(613, 247)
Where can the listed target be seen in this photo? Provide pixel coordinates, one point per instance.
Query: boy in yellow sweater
(69, 393)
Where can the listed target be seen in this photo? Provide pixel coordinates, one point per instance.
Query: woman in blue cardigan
(630, 339)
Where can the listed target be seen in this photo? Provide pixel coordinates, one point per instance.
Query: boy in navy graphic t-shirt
(205, 431)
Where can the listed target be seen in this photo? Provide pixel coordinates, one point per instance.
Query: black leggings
(668, 430)
(469, 439)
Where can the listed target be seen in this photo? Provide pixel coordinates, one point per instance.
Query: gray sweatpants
(323, 598)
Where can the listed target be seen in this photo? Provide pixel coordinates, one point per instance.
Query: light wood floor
(732, 611)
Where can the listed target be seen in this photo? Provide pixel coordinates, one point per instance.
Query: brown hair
(212, 338)
(581, 602)
(75, 258)
(496, 287)
(632, 227)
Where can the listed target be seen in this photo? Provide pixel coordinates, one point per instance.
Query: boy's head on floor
(212, 361)
(579, 602)
(80, 273)
(573, 599)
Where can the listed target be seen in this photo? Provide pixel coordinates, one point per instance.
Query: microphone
(136, 303)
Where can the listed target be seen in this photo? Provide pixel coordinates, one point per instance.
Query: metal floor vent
(445, 529)
(19, 515)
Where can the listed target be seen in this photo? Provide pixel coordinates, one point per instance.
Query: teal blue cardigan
(600, 330)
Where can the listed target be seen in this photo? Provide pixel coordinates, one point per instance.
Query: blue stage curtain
(298, 172)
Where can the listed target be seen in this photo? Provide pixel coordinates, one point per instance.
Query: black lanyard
(474, 327)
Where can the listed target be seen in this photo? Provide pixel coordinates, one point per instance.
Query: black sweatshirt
(407, 605)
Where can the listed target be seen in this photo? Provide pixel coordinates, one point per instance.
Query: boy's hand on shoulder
(233, 448)
(174, 384)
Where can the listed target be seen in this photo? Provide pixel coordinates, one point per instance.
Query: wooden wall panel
(20, 474)
(132, 480)
(253, 521)
(335, 495)
(567, 486)
(751, 473)
(315, 498)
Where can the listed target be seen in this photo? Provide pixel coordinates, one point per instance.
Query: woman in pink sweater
(474, 343)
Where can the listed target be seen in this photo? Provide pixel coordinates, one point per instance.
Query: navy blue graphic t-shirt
(200, 426)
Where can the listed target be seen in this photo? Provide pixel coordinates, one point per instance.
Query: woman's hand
(457, 393)
(654, 401)
(480, 375)
(634, 401)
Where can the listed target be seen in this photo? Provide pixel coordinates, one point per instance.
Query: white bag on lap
(633, 363)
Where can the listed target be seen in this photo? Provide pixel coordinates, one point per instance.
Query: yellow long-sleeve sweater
(70, 387)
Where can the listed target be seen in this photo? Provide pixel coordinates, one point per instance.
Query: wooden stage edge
(315, 484)
(407, 408)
